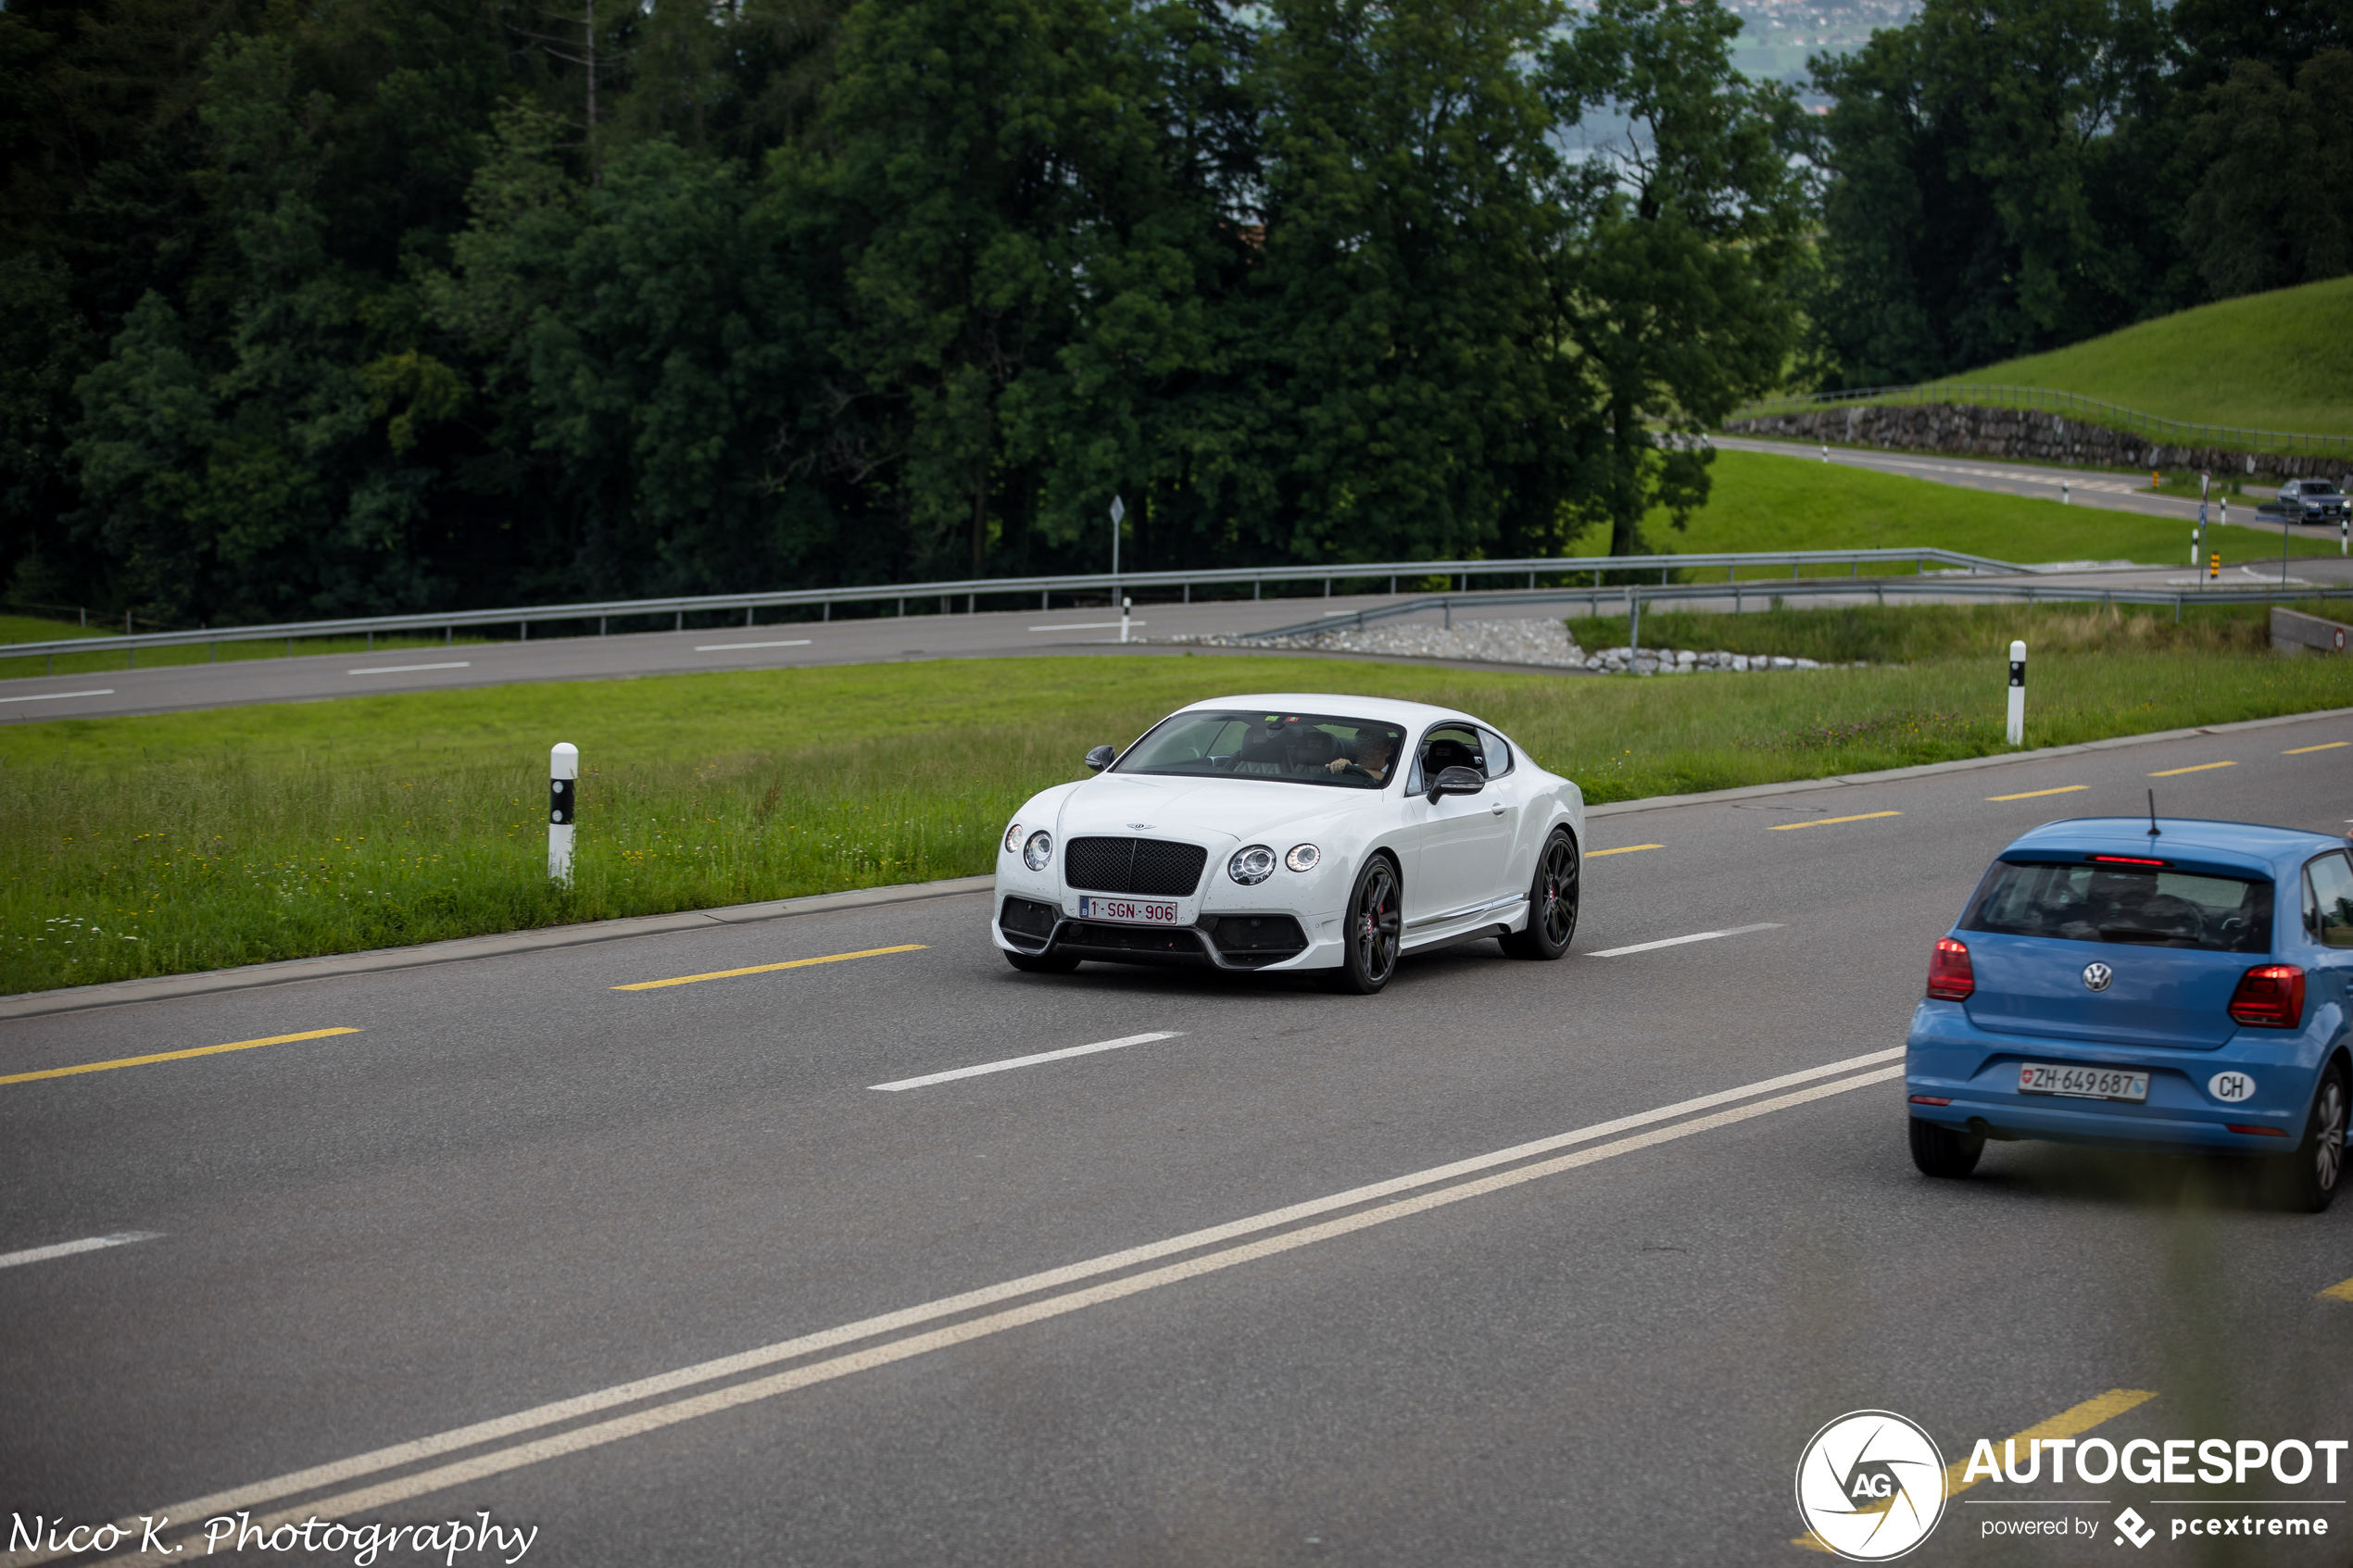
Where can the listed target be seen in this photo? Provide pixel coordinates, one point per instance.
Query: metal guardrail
(973, 590)
(2133, 422)
(1632, 596)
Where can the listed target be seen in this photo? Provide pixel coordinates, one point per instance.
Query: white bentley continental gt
(1328, 834)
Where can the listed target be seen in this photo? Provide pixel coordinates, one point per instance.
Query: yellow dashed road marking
(172, 1056)
(770, 968)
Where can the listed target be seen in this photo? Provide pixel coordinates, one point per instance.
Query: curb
(286, 972)
(1962, 765)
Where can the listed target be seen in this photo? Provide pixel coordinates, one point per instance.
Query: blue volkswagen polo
(2149, 983)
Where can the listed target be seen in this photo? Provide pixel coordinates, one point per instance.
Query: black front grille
(1258, 938)
(1134, 865)
(1142, 942)
(1027, 917)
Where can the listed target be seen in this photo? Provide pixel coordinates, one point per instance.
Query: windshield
(1316, 748)
(2107, 903)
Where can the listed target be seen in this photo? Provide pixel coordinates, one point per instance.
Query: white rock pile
(1542, 643)
(1685, 661)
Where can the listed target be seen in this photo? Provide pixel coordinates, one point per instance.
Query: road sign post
(563, 775)
(1118, 510)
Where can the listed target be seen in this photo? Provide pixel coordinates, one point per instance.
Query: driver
(1372, 760)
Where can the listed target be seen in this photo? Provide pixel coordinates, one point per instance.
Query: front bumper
(1976, 1071)
(1248, 940)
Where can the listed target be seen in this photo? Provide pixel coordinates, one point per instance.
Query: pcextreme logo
(1870, 1485)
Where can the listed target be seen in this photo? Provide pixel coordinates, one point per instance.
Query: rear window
(2146, 906)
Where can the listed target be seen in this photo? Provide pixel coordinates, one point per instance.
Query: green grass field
(2278, 361)
(165, 844)
(1763, 502)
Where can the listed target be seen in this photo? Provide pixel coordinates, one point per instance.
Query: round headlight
(1302, 857)
(1012, 837)
(1039, 851)
(1252, 866)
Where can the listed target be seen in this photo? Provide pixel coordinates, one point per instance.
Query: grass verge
(1761, 501)
(2278, 361)
(177, 841)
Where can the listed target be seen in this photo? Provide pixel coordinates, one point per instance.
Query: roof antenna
(2153, 832)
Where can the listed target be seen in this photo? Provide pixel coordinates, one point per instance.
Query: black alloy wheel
(1944, 1151)
(2312, 1172)
(1375, 928)
(1038, 963)
(1551, 902)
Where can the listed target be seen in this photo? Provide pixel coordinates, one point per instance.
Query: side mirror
(1456, 780)
(1100, 758)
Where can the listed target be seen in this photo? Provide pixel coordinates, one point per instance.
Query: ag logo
(2096, 976)
(1870, 1485)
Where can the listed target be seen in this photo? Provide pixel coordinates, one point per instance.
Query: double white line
(664, 1400)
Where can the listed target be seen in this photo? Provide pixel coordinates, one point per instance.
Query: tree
(2000, 183)
(1690, 224)
(2268, 210)
(640, 340)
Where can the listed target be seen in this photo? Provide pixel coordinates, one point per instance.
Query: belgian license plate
(1131, 911)
(2082, 1083)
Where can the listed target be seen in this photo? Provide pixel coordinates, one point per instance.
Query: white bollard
(563, 775)
(1126, 605)
(2018, 694)
(1826, 452)
(2064, 499)
(2198, 540)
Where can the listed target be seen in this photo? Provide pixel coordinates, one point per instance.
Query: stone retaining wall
(2293, 632)
(2023, 433)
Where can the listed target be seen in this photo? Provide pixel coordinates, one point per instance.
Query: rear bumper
(1976, 1071)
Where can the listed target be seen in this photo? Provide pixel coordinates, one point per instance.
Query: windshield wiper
(2136, 933)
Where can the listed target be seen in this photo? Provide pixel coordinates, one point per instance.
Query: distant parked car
(2312, 500)
(2181, 988)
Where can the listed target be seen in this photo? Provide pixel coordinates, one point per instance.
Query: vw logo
(2096, 976)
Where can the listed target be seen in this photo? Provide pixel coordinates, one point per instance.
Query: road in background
(515, 1184)
(997, 634)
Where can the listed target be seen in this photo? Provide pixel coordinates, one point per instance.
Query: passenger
(1372, 760)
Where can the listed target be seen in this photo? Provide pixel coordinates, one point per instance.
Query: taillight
(1950, 979)
(2270, 996)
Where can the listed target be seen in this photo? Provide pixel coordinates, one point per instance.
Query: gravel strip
(1544, 643)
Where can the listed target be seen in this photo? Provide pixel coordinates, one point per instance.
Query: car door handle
(1496, 809)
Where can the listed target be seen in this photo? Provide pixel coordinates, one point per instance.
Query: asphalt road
(515, 1186)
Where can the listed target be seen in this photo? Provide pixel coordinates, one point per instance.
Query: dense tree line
(2009, 176)
(380, 305)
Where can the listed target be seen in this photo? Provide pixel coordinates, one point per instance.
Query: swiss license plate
(1131, 911)
(2082, 1083)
